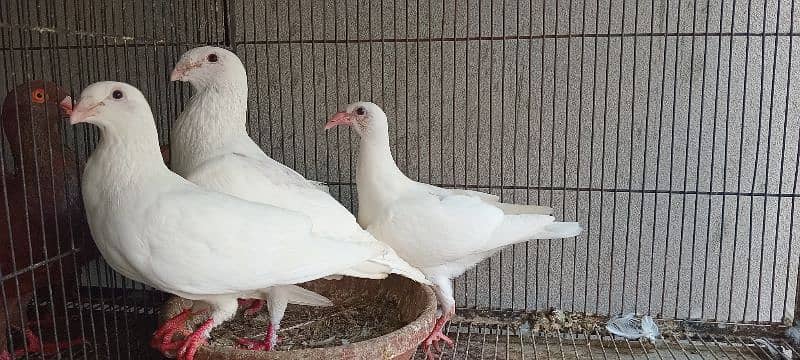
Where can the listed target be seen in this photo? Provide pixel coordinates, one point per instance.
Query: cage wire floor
(494, 335)
(477, 334)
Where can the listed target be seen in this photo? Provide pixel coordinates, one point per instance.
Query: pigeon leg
(162, 338)
(268, 344)
(253, 306)
(195, 340)
(4, 355)
(436, 335)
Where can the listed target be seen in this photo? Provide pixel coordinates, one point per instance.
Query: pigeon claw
(433, 339)
(194, 341)
(162, 338)
(268, 344)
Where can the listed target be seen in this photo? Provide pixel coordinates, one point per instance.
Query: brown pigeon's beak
(340, 118)
(83, 112)
(66, 105)
(181, 70)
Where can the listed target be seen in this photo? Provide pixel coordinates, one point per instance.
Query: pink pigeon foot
(35, 345)
(268, 344)
(162, 338)
(4, 355)
(433, 339)
(253, 306)
(194, 341)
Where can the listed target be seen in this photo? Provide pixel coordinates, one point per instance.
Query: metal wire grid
(632, 118)
(426, 63)
(504, 341)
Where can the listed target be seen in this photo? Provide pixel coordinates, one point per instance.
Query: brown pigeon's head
(34, 110)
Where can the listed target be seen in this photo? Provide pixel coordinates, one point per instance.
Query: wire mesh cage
(668, 129)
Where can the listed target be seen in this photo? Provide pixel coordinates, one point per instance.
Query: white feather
(629, 327)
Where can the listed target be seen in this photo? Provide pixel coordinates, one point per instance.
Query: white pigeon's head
(206, 65)
(363, 116)
(112, 106)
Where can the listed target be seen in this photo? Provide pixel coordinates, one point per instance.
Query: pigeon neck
(215, 116)
(135, 150)
(375, 156)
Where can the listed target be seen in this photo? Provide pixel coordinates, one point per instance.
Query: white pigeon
(211, 148)
(155, 227)
(443, 232)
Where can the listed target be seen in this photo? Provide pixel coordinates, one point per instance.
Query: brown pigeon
(39, 198)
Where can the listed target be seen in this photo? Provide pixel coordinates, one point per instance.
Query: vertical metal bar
(711, 177)
(293, 150)
(766, 171)
(603, 168)
(739, 179)
(528, 147)
(797, 158)
(281, 104)
(502, 131)
(794, 186)
(514, 149)
(644, 164)
(686, 169)
(314, 40)
(553, 149)
(291, 89)
(755, 169)
(591, 169)
(669, 184)
(469, 333)
(7, 334)
(567, 106)
(725, 168)
(258, 124)
(539, 150)
(616, 169)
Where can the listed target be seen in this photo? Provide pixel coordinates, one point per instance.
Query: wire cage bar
(668, 128)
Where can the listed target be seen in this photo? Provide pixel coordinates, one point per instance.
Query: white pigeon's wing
(429, 230)
(209, 243)
(494, 200)
(269, 182)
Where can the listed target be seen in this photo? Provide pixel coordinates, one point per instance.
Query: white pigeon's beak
(181, 70)
(84, 111)
(340, 118)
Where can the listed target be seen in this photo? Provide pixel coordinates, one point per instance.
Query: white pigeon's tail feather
(297, 295)
(519, 228)
(516, 209)
(559, 230)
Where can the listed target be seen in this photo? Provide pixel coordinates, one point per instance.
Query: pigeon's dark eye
(212, 58)
(361, 111)
(117, 94)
